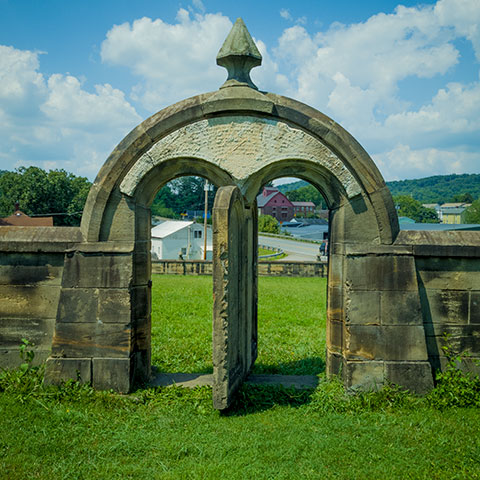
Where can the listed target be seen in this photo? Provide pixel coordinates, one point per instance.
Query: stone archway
(241, 137)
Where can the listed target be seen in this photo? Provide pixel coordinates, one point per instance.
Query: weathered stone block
(448, 306)
(31, 268)
(370, 342)
(142, 268)
(12, 359)
(414, 376)
(335, 304)
(78, 305)
(38, 331)
(334, 364)
(449, 273)
(143, 224)
(381, 272)
(59, 370)
(400, 308)
(142, 334)
(475, 307)
(356, 222)
(91, 340)
(335, 271)
(112, 373)
(461, 338)
(363, 375)
(98, 270)
(27, 301)
(114, 305)
(119, 219)
(334, 336)
(141, 302)
(362, 307)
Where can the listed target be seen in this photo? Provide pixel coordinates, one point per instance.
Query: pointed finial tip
(239, 55)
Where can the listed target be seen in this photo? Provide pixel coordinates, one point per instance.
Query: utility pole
(206, 188)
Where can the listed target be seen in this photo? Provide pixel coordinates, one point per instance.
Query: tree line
(60, 192)
(436, 189)
(38, 192)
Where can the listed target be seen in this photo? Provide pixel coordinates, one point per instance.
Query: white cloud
(375, 55)
(452, 112)
(176, 61)
(463, 16)
(403, 162)
(284, 13)
(198, 4)
(53, 122)
(354, 73)
(172, 61)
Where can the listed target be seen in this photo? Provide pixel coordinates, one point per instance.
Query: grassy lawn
(291, 324)
(73, 432)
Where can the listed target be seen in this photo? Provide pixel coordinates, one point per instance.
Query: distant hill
(436, 189)
(287, 187)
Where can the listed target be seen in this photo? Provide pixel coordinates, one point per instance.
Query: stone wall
(393, 306)
(447, 265)
(389, 307)
(31, 269)
(265, 268)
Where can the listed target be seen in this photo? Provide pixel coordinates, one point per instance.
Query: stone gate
(83, 294)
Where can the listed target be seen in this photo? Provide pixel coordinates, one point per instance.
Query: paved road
(295, 250)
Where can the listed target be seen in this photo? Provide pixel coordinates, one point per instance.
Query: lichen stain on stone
(241, 145)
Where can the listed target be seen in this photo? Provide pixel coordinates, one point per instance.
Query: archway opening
(293, 238)
(181, 251)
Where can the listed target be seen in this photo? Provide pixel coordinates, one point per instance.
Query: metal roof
(20, 219)
(167, 228)
(303, 204)
(262, 200)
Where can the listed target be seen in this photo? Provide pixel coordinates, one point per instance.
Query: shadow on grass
(258, 398)
(253, 398)
(305, 366)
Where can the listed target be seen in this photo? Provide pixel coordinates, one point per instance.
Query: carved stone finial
(239, 55)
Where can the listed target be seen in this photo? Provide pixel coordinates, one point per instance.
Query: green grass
(264, 251)
(74, 432)
(291, 324)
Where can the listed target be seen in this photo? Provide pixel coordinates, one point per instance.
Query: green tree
(268, 224)
(307, 193)
(472, 215)
(411, 208)
(462, 198)
(182, 194)
(41, 192)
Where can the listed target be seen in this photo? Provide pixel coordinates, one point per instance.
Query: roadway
(301, 251)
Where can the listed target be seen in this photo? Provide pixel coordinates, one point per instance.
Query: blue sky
(403, 78)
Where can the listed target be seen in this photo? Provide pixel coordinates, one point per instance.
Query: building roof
(263, 199)
(406, 220)
(455, 205)
(167, 228)
(453, 211)
(303, 204)
(21, 219)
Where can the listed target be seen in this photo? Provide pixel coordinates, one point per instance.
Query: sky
(402, 77)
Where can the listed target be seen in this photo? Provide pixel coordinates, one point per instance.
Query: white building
(174, 239)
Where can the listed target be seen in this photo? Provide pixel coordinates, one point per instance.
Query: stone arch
(235, 136)
(205, 112)
(240, 138)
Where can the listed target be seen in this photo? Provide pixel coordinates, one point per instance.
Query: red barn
(301, 209)
(273, 202)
